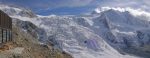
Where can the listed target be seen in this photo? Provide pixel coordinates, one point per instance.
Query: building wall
(5, 21)
(5, 27)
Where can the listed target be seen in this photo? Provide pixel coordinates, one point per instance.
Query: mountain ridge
(106, 34)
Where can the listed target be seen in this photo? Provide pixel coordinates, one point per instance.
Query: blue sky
(75, 7)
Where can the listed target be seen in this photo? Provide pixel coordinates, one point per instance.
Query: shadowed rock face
(28, 26)
(32, 29)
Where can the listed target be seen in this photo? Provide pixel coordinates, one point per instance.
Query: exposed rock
(25, 45)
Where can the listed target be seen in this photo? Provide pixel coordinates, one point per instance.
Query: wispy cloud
(142, 4)
(74, 3)
(47, 5)
(50, 3)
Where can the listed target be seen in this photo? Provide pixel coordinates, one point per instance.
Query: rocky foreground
(26, 46)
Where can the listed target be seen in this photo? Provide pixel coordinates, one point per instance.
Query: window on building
(7, 35)
(0, 35)
(4, 35)
(10, 36)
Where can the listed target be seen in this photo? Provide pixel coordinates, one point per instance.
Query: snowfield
(106, 33)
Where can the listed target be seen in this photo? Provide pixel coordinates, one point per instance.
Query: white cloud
(54, 4)
(77, 3)
(70, 3)
(135, 12)
(143, 4)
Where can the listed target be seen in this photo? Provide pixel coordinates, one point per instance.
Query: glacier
(106, 33)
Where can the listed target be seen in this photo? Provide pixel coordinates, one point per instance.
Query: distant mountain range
(105, 33)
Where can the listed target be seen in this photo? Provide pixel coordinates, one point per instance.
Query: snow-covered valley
(108, 33)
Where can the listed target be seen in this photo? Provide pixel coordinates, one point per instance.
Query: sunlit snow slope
(110, 33)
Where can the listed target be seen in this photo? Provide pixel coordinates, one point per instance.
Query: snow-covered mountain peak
(14, 11)
(135, 12)
(124, 18)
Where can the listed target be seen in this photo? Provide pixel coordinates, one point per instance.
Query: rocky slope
(25, 45)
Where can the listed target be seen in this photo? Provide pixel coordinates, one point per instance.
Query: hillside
(26, 46)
